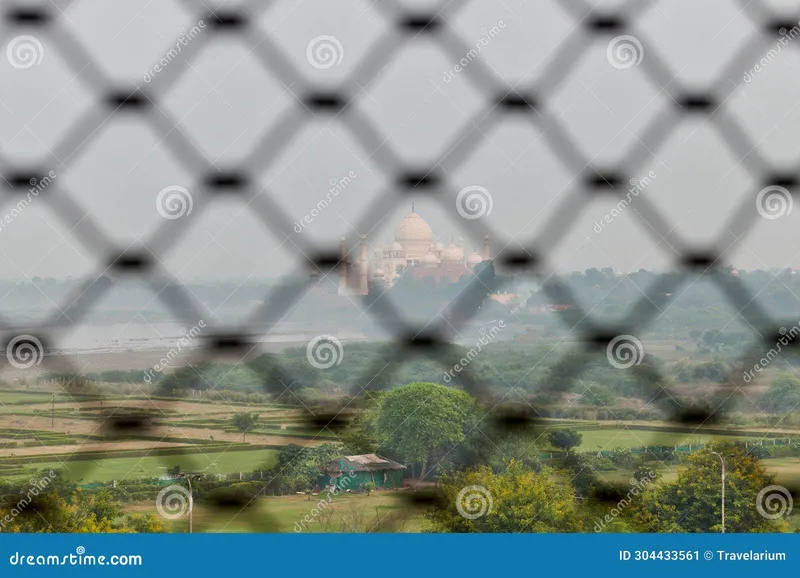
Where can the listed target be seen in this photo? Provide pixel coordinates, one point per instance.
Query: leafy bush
(298, 468)
(565, 439)
(776, 451)
(603, 464)
(621, 457)
(234, 494)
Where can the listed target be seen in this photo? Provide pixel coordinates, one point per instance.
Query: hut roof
(363, 463)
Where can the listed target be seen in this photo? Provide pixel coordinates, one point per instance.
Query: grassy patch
(609, 439)
(785, 470)
(380, 512)
(105, 470)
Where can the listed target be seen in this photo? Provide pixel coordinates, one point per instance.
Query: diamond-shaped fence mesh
(524, 102)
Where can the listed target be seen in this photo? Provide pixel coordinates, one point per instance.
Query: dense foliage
(516, 499)
(692, 502)
(422, 421)
(51, 505)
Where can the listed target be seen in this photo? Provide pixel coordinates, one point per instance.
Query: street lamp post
(189, 477)
(722, 462)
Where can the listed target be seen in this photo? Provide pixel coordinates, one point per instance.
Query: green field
(785, 470)
(128, 468)
(609, 439)
(381, 511)
(22, 397)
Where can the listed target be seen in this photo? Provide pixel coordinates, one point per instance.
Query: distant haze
(226, 102)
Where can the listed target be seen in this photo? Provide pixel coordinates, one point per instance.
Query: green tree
(422, 419)
(598, 395)
(693, 502)
(143, 523)
(245, 422)
(783, 393)
(359, 441)
(515, 500)
(565, 439)
(298, 467)
(79, 512)
(361, 438)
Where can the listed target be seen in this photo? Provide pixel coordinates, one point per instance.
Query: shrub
(621, 457)
(603, 464)
(775, 451)
(241, 493)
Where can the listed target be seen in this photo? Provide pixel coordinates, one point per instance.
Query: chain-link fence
(31, 31)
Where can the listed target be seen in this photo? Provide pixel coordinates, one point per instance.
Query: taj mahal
(414, 253)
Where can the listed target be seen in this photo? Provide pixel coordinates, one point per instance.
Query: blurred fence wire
(525, 102)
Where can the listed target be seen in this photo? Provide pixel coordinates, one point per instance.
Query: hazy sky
(226, 102)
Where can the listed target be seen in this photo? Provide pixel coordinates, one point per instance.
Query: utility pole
(191, 505)
(189, 477)
(722, 462)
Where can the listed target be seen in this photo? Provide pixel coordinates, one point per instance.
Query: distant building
(352, 472)
(413, 252)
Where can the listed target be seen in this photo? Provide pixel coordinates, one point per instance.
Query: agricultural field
(51, 430)
(785, 470)
(48, 430)
(38, 396)
(609, 439)
(213, 463)
(380, 511)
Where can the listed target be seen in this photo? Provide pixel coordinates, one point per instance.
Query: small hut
(353, 472)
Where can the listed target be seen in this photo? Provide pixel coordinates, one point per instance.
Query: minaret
(487, 252)
(342, 267)
(363, 266)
